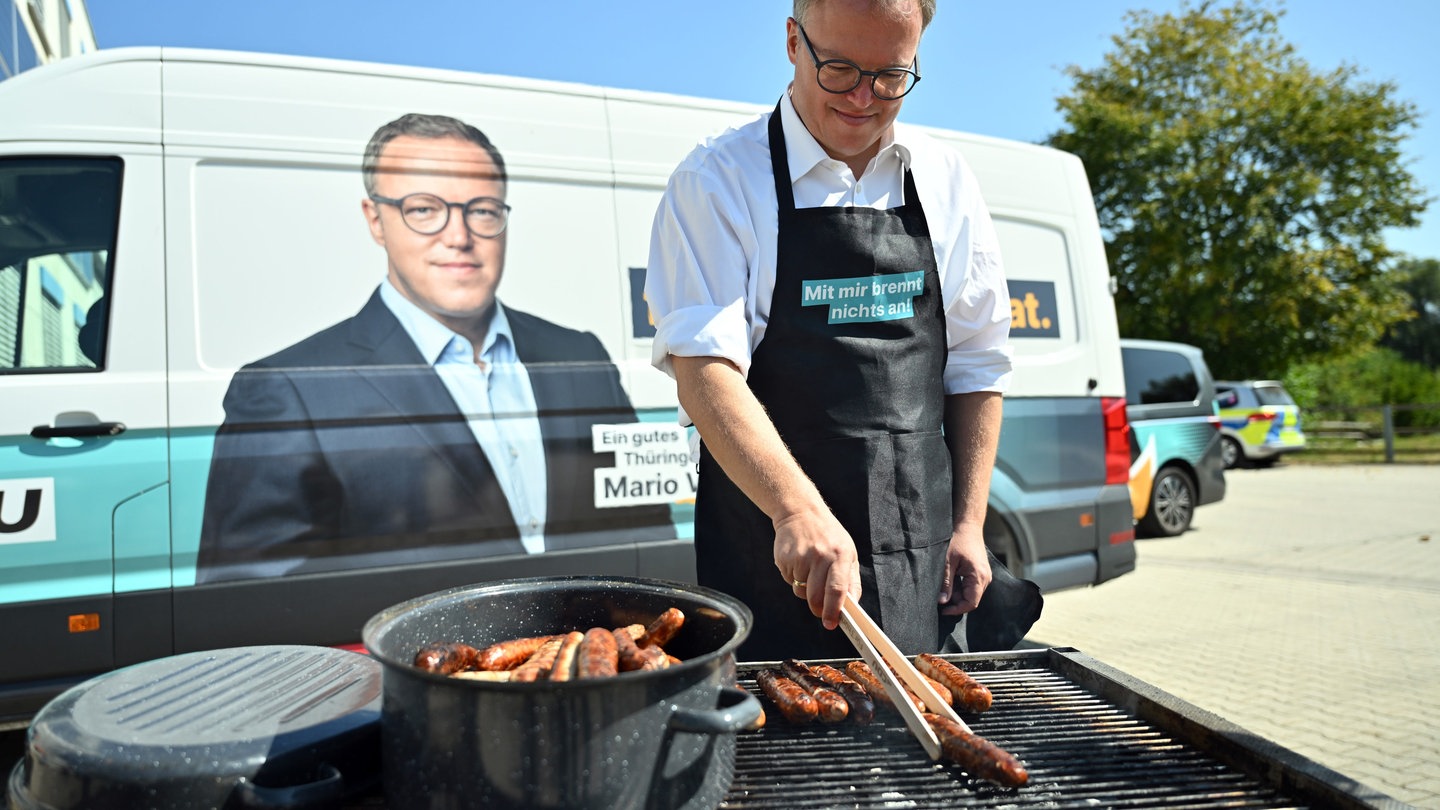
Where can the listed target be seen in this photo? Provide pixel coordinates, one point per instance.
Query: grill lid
(280, 725)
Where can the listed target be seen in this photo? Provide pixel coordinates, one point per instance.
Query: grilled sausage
(759, 721)
(940, 689)
(831, 705)
(499, 675)
(977, 755)
(862, 708)
(509, 654)
(599, 657)
(446, 657)
(630, 656)
(564, 667)
(664, 628)
(538, 665)
(794, 703)
(970, 694)
(655, 658)
(861, 673)
(635, 631)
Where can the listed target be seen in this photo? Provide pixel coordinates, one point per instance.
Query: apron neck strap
(780, 161)
(780, 166)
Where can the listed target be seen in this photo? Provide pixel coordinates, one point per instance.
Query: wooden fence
(1364, 430)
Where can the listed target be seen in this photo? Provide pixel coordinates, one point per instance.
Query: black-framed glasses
(485, 217)
(840, 76)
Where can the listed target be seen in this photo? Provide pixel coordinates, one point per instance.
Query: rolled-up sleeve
(697, 277)
(977, 317)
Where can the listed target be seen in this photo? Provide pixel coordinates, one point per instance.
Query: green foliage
(1365, 380)
(1418, 338)
(1242, 194)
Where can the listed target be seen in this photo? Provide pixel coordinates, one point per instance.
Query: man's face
(452, 274)
(849, 126)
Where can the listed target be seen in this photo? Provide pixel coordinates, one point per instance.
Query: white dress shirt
(711, 270)
(498, 403)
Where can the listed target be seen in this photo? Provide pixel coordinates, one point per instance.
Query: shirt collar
(805, 153)
(433, 338)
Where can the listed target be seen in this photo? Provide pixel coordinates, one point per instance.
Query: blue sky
(994, 68)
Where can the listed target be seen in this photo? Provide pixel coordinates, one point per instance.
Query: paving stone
(1303, 607)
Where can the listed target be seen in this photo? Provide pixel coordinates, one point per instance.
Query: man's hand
(967, 571)
(812, 548)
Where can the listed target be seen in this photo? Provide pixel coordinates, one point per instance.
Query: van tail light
(1261, 417)
(1117, 440)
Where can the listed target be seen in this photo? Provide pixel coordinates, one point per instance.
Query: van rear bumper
(1076, 543)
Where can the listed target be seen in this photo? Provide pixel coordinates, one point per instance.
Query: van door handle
(78, 431)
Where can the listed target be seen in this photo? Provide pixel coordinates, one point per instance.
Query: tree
(1242, 195)
(1418, 338)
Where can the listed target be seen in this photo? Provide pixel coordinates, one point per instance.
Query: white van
(175, 223)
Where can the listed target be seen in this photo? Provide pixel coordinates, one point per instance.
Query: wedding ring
(795, 583)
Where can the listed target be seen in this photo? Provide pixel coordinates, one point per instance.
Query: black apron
(851, 372)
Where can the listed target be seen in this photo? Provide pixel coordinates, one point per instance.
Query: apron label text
(865, 299)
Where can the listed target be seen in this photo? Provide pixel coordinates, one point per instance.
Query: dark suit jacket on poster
(346, 450)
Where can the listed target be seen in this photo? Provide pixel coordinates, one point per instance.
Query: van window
(1154, 377)
(58, 219)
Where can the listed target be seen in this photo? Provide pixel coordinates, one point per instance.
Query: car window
(58, 220)
(1226, 397)
(1273, 395)
(1154, 376)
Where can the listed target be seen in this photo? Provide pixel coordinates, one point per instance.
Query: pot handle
(739, 710)
(323, 792)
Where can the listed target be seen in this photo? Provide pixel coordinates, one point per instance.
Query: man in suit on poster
(436, 423)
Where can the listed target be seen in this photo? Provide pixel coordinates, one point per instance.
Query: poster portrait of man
(436, 423)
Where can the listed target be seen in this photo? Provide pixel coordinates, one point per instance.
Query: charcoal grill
(1091, 737)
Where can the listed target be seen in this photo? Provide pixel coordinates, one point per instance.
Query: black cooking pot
(646, 739)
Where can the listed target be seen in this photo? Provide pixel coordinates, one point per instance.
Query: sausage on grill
(759, 722)
(446, 657)
(941, 689)
(509, 654)
(664, 628)
(862, 708)
(977, 755)
(794, 703)
(870, 682)
(830, 704)
(970, 694)
(599, 657)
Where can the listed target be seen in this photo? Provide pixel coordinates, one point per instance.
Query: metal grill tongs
(886, 660)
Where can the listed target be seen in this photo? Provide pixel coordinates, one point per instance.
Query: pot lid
(276, 723)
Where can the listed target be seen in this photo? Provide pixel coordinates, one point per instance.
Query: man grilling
(829, 297)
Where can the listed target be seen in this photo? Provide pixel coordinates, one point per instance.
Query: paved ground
(1304, 607)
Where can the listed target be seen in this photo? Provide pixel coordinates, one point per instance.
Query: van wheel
(1172, 504)
(1002, 543)
(1230, 451)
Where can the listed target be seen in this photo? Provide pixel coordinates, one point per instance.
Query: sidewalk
(1303, 608)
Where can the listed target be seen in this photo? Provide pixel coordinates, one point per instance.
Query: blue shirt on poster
(495, 396)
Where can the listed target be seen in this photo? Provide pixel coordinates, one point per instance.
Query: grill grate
(1081, 750)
